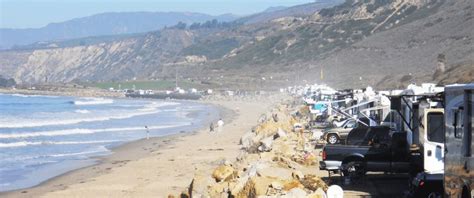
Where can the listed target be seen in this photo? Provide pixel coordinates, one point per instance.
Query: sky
(38, 13)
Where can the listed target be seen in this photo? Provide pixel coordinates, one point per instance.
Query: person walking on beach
(147, 132)
(220, 124)
(211, 127)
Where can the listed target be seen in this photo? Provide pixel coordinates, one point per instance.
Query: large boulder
(199, 185)
(223, 173)
(266, 144)
(295, 193)
(290, 184)
(313, 182)
(275, 172)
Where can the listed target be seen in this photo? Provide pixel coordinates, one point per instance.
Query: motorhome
(459, 158)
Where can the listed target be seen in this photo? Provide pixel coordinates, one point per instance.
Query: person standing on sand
(147, 132)
(220, 124)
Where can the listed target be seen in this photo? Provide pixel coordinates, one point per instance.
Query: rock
(222, 173)
(275, 172)
(290, 184)
(295, 193)
(287, 162)
(227, 163)
(198, 187)
(297, 175)
(280, 134)
(247, 140)
(318, 194)
(313, 182)
(266, 144)
(184, 195)
(277, 185)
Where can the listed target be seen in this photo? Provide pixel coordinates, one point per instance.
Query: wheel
(332, 139)
(354, 169)
(465, 193)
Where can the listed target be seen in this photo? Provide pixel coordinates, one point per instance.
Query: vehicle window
(382, 136)
(356, 136)
(350, 124)
(435, 127)
(458, 122)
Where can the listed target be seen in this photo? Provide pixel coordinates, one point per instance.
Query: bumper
(330, 165)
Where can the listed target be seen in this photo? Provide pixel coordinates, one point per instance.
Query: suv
(339, 134)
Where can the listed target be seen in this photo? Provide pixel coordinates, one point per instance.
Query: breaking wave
(93, 101)
(146, 110)
(81, 131)
(26, 143)
(82, 111)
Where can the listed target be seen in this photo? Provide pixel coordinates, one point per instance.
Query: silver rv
(459, 145)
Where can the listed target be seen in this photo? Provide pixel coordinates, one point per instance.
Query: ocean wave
(27, 143)
(38, 123)
(82, 131)
(98, 149)
(83, 111)
(33, 96)
(151, 108)
(93, 101)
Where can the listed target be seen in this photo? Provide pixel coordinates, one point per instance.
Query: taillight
(324, 155)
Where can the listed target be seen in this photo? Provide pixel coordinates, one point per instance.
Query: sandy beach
(159, 166)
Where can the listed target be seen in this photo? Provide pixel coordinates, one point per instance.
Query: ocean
(44, 136)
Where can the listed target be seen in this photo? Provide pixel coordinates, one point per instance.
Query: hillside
(102, 24)
(357, 43)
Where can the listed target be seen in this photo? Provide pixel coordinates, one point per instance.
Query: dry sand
(158, 166)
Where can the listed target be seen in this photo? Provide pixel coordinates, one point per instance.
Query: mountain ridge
(357, 43)
(109, 23)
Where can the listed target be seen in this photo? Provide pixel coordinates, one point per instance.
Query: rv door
(433, 151)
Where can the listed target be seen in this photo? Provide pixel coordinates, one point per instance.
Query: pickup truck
(339, 134)
(370, 149)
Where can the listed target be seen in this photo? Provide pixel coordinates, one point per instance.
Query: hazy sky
(38, 13)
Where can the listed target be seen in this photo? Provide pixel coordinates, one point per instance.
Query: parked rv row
(424, 131)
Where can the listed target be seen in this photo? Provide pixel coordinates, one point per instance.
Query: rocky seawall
(276, 160)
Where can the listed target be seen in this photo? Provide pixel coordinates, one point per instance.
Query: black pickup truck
(368, 149)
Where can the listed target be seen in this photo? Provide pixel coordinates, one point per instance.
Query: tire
(465, 193)
(332, 139)
(354, 169)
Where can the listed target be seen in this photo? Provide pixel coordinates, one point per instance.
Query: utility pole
(176, 76)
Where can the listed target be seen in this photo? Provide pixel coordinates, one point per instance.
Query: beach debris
(222, 173)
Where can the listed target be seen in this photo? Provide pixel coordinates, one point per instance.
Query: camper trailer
(459, 158)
